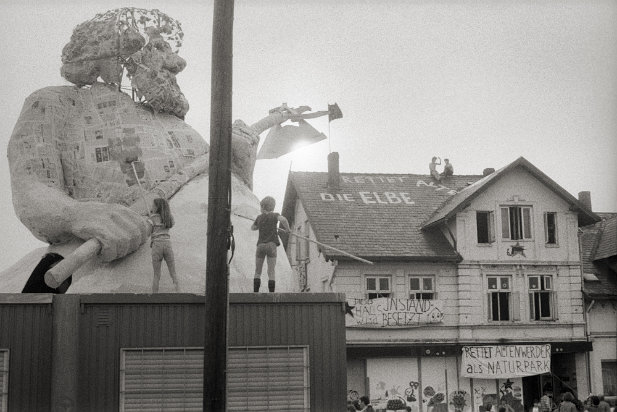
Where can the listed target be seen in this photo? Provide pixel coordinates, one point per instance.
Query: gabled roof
(607, 244)
(462, 199)
(375, 216)
(599, 257)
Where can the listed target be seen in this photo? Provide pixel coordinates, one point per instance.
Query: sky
(479, 82)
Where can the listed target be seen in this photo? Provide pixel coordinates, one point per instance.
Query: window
(516, 222)
(378, 287)
(609, 377)
(102, 154)
(550, 228)
(499, 297)
(421, 287)
(541, 297)
(262, 378)
(485, 224)
(4, 379)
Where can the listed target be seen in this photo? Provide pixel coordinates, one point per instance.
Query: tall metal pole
(217, 271)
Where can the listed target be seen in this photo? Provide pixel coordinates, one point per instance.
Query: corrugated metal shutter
(161, 379)
(268, 379)
(258, 378)
(4, 379)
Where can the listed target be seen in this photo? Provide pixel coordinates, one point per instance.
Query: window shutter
(161, 379)
(516, 306)
(532, 307)
(545, 227)
(4, 380)
(527, 223)
(275, 378)
(505, 223)
(555, 305)
(491, 227)
(489, 306)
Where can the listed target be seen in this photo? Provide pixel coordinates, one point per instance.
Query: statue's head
(144, 42)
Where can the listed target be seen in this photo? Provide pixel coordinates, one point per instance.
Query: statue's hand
(119, 229)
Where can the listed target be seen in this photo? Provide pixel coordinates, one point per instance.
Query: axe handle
(65, 268)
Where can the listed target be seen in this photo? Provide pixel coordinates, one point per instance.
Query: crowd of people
(568, 402)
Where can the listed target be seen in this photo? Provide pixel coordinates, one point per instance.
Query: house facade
(469, 275)
(599, 261)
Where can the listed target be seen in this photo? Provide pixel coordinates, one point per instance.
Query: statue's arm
(282, 114)
(37, 179)
(40, 199)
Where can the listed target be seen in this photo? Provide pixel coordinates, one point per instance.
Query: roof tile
(378, 215)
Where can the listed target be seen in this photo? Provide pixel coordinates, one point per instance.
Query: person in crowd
(365, 403)
(603, 406)
(546, 401)
(567, 404)
(592, 403)
(268, 241)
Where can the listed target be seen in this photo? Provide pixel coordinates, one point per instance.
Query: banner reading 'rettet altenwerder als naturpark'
(505, 361)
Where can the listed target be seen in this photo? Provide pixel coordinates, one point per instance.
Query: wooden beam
(218, 230)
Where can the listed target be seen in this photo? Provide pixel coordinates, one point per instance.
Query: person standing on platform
(268, 241)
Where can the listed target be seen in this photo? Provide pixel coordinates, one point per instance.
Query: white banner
(505, 361)
(392, 313)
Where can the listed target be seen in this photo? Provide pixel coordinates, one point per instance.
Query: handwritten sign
(392, 313)
(505, 361)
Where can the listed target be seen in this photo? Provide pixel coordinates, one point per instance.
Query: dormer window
(516, 222)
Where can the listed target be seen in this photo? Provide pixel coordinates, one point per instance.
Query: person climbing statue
(162, 220)
(268, 241)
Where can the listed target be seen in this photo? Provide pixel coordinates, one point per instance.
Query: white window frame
(4, 380)
(499, 289)
(490, 226)
(546, 229)
(526, 230)
(417, 293)
(539, 289)
(378, 290)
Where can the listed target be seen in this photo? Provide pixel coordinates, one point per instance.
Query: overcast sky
(480, 82)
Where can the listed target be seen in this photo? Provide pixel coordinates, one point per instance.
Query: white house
(461, 266)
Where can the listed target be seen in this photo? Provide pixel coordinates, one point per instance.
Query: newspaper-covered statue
(87, 161)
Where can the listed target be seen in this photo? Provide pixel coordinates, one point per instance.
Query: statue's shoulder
(53, 92)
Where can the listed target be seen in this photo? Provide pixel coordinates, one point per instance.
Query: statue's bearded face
(153, 75)
(102, 49)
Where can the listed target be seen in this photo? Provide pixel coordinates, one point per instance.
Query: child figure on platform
(161, 221)
(268, 241)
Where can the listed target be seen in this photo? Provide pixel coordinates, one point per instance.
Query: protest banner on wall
(505, 361)
(392, 313)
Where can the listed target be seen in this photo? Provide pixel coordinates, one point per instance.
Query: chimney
(488, 171)
(585, 198)
(333, 171)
